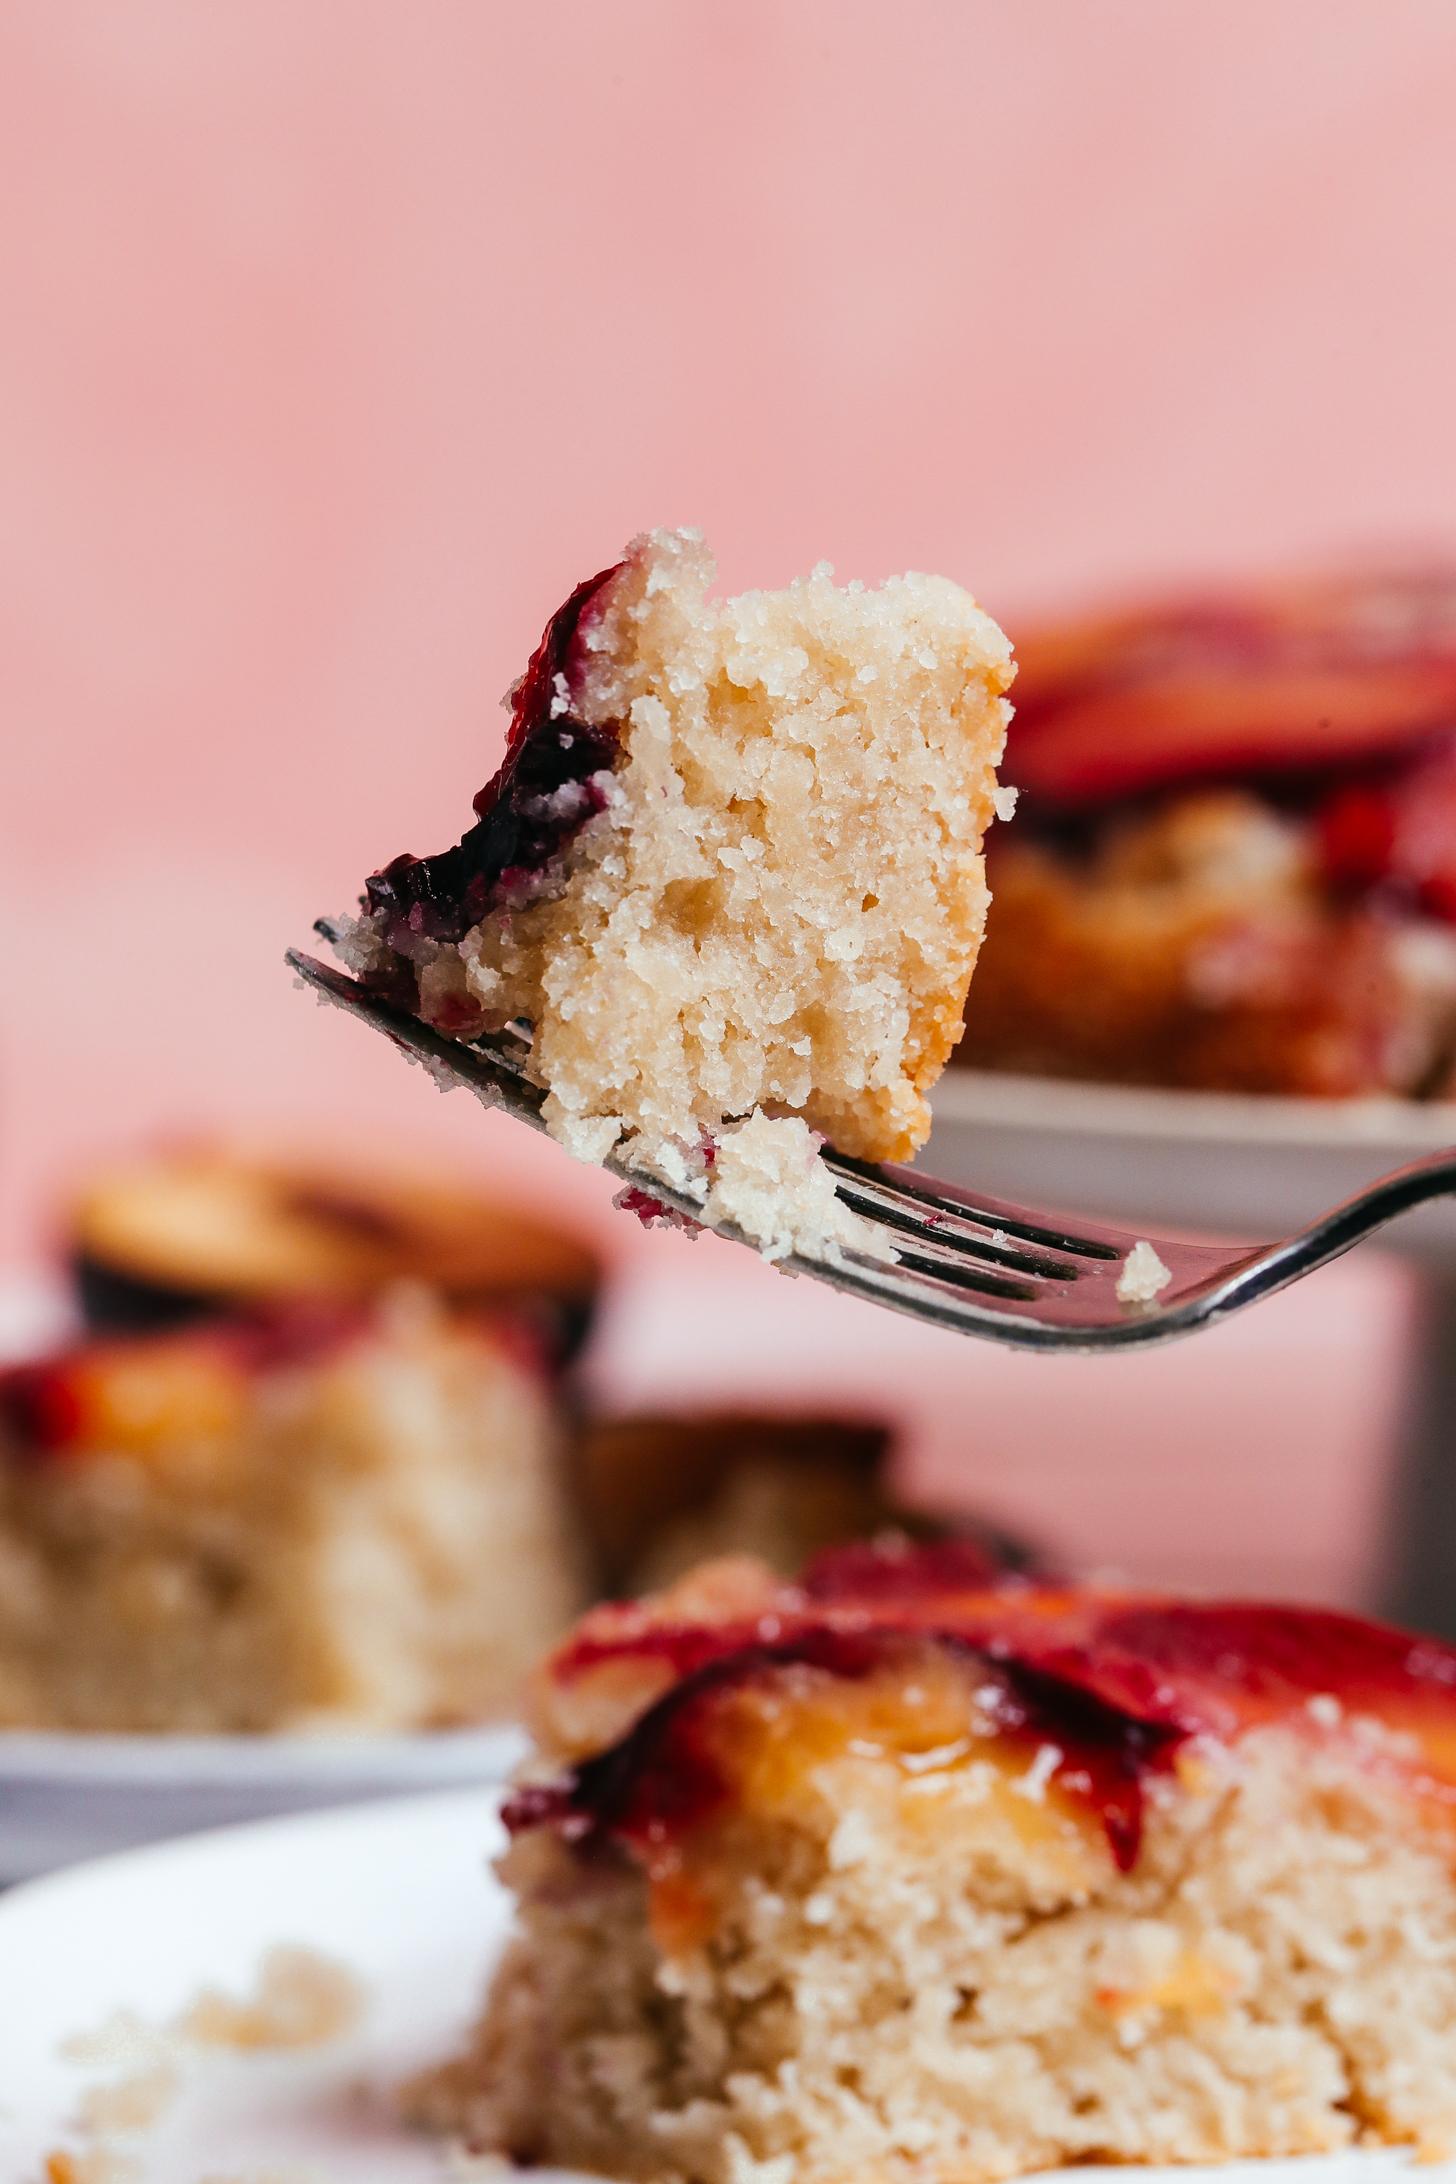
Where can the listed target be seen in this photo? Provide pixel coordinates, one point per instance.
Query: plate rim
(1080, 1106)
(484, 1799)
(70, 1756)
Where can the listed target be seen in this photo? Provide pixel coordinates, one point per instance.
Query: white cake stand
(1221, 1164)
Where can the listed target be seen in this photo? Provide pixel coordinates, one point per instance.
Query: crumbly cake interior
(768, 904)
(373, 1536)
(868, 1917)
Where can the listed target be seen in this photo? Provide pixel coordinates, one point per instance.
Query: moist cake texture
(895, 1874)
(730, 874)
(1234, 866)
(318, 1518)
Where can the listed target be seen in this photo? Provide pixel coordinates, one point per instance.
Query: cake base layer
(952, 1982)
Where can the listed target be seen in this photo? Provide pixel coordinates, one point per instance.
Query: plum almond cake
(314, 1517)
(898, 1873)
(729, 874)
(1234, 866)
(657, 1493)
(182, 1231)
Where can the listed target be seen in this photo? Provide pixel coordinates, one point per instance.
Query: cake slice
(1234, 867)
(185, 1231)
(730, 874)
(660, 1492)
(318, 1518)
(894, 1874)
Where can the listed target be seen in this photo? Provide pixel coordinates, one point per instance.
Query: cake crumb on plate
(301, 1999)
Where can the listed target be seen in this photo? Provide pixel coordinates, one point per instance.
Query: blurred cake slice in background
(1234, 861)
(891, 1876)
(657, 1494)
(184, 1231)
(729, 874)
(321, 1517)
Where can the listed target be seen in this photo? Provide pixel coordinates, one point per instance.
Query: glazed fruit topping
(896, 1567)
(1395, 838)
(678, 1766)
(1339, 679)
(548, 785)
(145, 1392)
(1113, 1685)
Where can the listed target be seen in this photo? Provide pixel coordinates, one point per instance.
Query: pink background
(337, 342)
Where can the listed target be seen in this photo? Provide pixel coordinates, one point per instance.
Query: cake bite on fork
(729, 876)
(714, 927)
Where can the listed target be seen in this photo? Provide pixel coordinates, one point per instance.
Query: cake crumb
(132, 2103)
(302, 2000)
(768, 1181)
(1143, 1276)
(93, 2165)
(1004, 800)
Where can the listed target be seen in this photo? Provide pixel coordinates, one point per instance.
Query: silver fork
(1035, 1280)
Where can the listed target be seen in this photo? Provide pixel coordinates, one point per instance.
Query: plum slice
(1308, 683)
(547, 787)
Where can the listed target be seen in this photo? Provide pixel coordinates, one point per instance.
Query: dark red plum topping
(1333, 702)
(1115, 1684)
(545, 791)
(666, 1775)
(897, 1568)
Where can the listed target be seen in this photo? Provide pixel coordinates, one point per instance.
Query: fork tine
(961, 1262)
(494, 1069)
(1011, 1313)
(917, 1193)
(953, 1232)
(955, 1271)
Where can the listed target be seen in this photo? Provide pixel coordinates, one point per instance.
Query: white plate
(1200, 1160)
(399, 1894)
(64, 1797)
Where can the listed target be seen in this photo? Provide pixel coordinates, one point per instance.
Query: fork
(1032, 1279)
